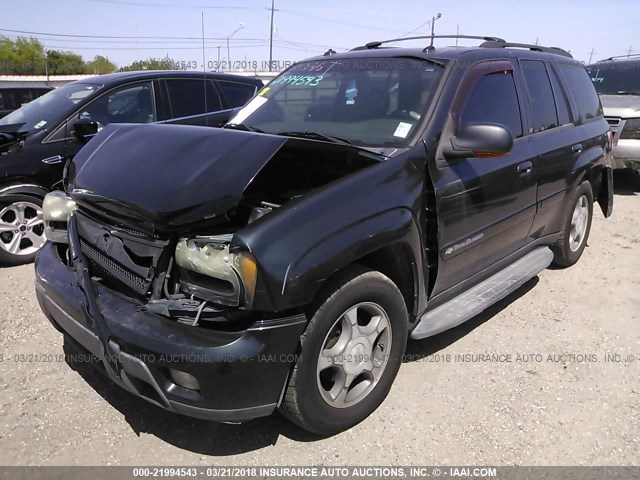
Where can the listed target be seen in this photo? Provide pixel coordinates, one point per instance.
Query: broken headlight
(56, 210)
(210, 271)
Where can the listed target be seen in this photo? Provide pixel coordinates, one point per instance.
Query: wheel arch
(22, 188)
(388, 242)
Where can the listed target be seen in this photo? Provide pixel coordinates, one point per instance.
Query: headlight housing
(56, 210)
(210, 271)
(631, 129)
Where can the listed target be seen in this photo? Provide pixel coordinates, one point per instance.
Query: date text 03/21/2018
(237, 65)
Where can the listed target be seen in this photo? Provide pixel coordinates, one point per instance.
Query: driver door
(131, 103)
(486, 206)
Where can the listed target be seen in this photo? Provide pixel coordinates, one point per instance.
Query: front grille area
(122, 257)
(108, 266)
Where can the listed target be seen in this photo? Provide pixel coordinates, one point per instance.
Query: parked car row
(38, 140)
(358, 200)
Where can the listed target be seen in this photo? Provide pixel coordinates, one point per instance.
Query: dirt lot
(552, 397)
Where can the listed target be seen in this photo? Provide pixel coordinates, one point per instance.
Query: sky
(130, 30)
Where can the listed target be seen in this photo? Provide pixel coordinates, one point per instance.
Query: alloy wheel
(21, 228)
(579, 223)
(354, 355)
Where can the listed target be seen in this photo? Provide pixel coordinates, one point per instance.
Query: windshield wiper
(243, 126)
(316, 136)
(627, 92)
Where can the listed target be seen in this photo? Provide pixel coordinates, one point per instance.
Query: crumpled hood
(624, 106)
(168, 175)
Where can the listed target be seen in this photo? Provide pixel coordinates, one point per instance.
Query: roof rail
(619, 56)
(535, 48)
(372, 45)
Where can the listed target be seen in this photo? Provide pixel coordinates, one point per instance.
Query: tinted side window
(25, 97)
(186, 97)
(583, 91)
(128, 104)
(562, 103)
(237, 94)
(543, 107)
(494, 100)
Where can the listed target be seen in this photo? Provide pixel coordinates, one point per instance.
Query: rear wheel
(577, 225)
(350, 353)
(21, 229)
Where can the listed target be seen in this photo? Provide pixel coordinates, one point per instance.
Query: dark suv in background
(38, 139)
(12, 98)
(359, 199)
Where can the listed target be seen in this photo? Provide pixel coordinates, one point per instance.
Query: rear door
(551, 131)
(485, 205)
(194, 101)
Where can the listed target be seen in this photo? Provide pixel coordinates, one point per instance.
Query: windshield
(50, 107)
(613, 78)
(366, 102)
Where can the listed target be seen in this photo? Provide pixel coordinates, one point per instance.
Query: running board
(473, 301)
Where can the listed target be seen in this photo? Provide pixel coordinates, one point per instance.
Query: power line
(337, 22)
(83, 40)
(415, 29)
(95, 36)
(181, 5)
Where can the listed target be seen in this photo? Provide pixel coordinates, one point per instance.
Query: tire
(356, 296)
(576, 228)
(25, 210)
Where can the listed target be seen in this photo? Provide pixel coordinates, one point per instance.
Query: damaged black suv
(360, 198)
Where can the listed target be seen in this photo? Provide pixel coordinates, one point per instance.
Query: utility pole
(433, 21)
(271, 35)
(629, 52)
(457, 33)
(591, 55)
(204, 65)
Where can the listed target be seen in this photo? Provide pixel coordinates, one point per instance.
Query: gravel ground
(551, 399)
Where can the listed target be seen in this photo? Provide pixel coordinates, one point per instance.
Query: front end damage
(160, 293)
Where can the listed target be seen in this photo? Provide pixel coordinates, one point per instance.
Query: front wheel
(350, 353)
(577, 225)
(21, 229)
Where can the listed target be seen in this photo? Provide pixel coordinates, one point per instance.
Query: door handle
(577, 148)
(525, 168)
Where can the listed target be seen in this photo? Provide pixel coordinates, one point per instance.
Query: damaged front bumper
(241, 374)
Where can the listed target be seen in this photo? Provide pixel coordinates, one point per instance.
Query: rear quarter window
(580, 85)
(238, 94)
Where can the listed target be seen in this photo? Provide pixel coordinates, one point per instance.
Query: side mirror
(84, 130)
(479, 140)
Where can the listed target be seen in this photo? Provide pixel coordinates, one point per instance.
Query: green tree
(65, 63)
(154, 64)
(100, 65)
(22, 56)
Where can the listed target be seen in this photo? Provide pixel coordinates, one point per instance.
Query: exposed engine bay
(183, 269)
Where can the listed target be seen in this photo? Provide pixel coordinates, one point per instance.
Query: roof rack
(619, 56)
(488, 42)
(534, 48)
(372, 45)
